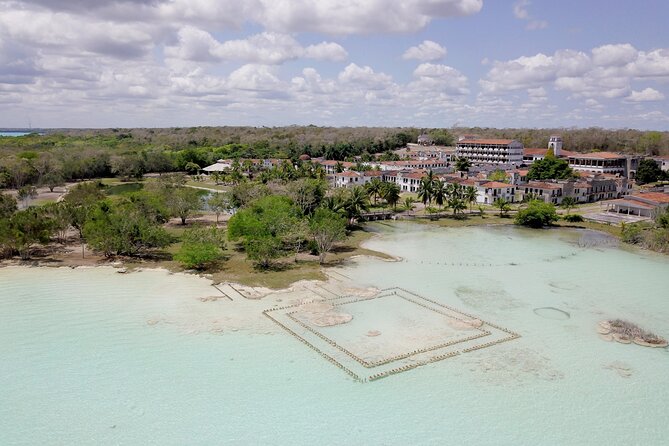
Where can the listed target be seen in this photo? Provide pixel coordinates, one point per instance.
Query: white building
(488, 192)
(491, 151)
(219, 166)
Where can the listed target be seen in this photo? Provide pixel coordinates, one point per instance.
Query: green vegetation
(498, 175)
(201, 247)
(649, 172)
(573, 218)
(550, 168)
(537, 214)
(326, 227)
(653, 236)
(119, 227)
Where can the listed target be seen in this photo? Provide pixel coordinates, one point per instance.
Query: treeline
(582, 140)
(68, 155)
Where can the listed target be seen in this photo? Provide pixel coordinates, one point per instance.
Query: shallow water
(90, 356)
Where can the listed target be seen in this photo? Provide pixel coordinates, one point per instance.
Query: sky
(421, 63)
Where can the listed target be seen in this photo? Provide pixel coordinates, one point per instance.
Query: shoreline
(306, 268)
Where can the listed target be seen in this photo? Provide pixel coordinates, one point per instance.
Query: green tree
(355, 203)
(127, 166)
(503, 206)
(537, 214)
(263, 250)
(24, 229)
(59, 216)
(550, 168)
(470, 195)
(391, 193)
(219, 203)
(120, 228)
(439, 192)
(374, 188)
(327, 227)
(408, 203)
(306, 193)
(425, 191)
(7, 206)
(441, 137)
(648, 171)
(192, 168)
(568, 203)
(182, 202)
(462, 164)
(53, 179)
(26, 193)
(498, 175)
(201, 247)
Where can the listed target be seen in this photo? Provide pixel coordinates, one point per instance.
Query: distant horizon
(36, 129)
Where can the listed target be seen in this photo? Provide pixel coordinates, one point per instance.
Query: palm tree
(391, 193)
(462, 164)
(339, 167)
(503, 206)
(425, 191)
(374, 188)
(408, 203)
(454, 190)
(568, 203)
(356, 203)
(457, 204)
(439, 189)
(470, 194)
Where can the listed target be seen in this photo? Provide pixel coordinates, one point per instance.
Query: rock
(372, 333)
(331, 318)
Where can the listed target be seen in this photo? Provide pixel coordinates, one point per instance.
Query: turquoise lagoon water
(14, 133)
(90, 356)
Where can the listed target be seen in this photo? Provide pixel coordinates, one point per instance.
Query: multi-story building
(491, 151)
(604, 162)
(489, 192)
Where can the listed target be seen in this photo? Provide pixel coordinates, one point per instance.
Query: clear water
(13, 133)
(82, 361)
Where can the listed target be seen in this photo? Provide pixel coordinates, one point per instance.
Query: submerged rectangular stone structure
(391, 332)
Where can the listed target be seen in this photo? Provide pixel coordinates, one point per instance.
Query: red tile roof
(540, 185)
(496, 185)
(598, 155)
(534, 151)
(347, 173)
(487, 141)
(658, 197)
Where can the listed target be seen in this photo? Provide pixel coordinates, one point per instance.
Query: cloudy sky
(424, 63)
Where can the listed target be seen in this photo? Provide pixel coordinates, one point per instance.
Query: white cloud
(520, 11)
(364, 77)
(435, 79)
(607, 72)
(326, 51)
(254, 77)
(645, 95)
(265, 48)
(428, 51)
(614, 55)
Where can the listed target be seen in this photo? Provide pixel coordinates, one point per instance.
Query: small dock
(377, 215)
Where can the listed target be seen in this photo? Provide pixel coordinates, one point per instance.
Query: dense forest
(62, 155)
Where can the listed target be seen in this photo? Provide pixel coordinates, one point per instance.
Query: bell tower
(555, 143)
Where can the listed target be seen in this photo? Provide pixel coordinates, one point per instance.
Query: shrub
(537, 215)
(573, 218)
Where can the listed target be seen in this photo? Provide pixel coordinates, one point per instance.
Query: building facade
(491, 151)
